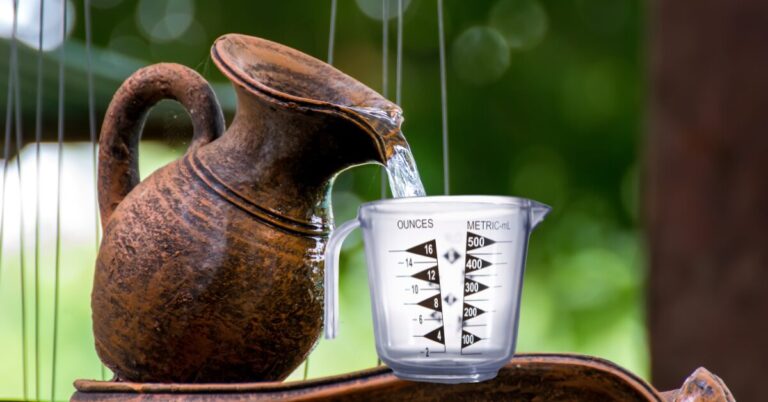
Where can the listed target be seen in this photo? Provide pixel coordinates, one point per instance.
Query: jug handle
(331, 282)
(125, 117)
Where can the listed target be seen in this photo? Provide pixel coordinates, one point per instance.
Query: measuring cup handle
(332, 251)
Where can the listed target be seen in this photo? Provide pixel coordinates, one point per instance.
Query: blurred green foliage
(556, 116)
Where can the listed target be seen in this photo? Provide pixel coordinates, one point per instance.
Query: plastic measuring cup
(445, 276)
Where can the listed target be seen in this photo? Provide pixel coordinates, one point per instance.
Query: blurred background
(546, 100)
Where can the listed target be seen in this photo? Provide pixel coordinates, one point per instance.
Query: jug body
(445, 277)
(190, 287)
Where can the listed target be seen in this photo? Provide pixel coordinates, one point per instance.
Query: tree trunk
(707, 191)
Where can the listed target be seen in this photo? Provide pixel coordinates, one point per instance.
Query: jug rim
(352, 94)
(487, 200)
(339, 94)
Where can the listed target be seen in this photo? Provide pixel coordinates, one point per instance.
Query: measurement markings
(433, 352)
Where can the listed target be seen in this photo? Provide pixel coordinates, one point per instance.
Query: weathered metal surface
(534, 377)
(701, 386)
(211, 269)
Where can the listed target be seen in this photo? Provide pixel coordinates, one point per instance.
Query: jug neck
(283, 158)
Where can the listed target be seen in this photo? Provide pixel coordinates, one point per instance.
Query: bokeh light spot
(164, 20)
(28, 22)
(542, 176)
(480, 55)
(522, 22)
(592, 278)
(591, 95)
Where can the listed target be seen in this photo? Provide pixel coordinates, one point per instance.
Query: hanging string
(443, 96)
(38, 140)
(14, 112)
(399, 55)
(384, 87)
(384, 74)
(7, 144)
(22, 270)
(331, 40)
(332, 32)
(92, 131)
(91, 115)
(60, 149)
(384, 47)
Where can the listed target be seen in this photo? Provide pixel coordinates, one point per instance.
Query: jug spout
(299, 122)
(538, 212)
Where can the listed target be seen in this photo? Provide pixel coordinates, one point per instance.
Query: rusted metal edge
(369, 378)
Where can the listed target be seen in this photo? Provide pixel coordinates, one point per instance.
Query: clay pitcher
(211, 269)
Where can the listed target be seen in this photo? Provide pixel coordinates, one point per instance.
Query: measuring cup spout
(538, 212)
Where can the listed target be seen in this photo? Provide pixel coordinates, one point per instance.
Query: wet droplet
(523, 23)
(480, 55)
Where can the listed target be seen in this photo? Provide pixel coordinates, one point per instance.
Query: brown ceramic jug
(211, 269)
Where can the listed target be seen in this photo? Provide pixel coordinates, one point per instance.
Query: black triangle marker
(432, 303)
(471, 287)
(428, 249)
(436, 335)
(475, 241)
(430, 275)
(470, 311)
(473, 263)
(468, 339)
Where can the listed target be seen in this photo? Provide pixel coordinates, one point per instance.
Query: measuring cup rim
(488, 200)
